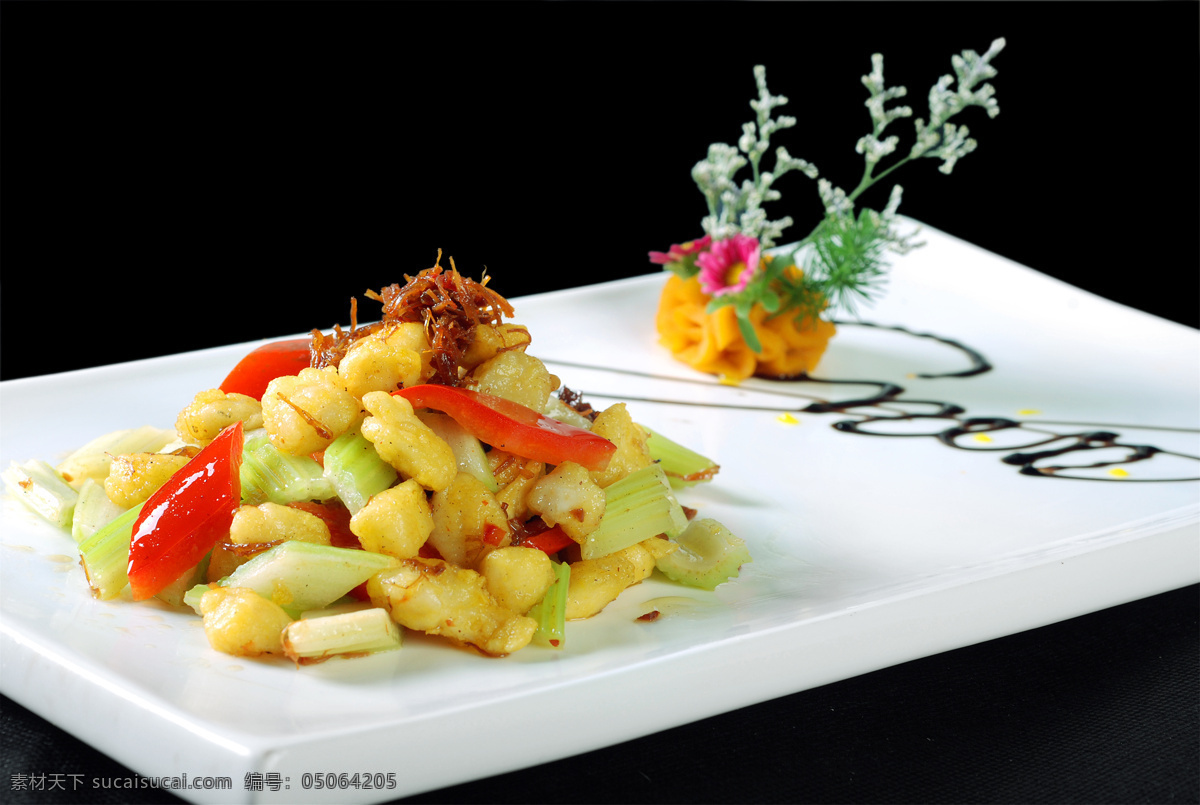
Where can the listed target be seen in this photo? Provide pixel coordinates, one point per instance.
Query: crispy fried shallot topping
(328, 350)
(574, 400)
(448, 304)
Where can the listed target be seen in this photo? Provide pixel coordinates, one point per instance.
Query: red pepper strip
(550, 541)
(512, 427)
(260, 367)
(187, 516)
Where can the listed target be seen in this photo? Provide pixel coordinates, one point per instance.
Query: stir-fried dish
(423, 472)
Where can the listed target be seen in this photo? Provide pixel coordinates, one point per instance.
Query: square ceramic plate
(869, 550)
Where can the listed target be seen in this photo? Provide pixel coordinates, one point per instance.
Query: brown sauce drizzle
(888, 397)
(979, 364)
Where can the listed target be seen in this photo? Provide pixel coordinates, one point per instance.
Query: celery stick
(337, 608)
(557, 409)
(105, 555)
(92, 511)
(551, 611)
(468, 451)
(709, 554)
(192, 597)
(176, 592)
(637, 507)
(300, 575)
(269, 474)
(355, 471)
(367, 631)
(39, 486)
(94, 458)
(684, 467)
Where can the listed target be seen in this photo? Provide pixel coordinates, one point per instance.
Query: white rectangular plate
(868, 550)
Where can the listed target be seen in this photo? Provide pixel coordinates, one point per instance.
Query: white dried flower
(880, 95)
(834, 198)
(875, 149)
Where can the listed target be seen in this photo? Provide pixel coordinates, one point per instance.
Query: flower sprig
(844, 259)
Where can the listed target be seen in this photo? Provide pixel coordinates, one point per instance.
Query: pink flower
(679, 251)
(729, 265)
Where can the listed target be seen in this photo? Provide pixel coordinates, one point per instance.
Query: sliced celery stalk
(93, 510)
(39, 486)
(192, 597)
(94, 458)
(269, 474)
(557, 409)
(683, 466)
(337, 608)
(367, 631)
(175, 593)
(105, 555)
(709, 554)
(355, 471)
(468, 450)
(551, 611)
(639, 506)
(300, 575)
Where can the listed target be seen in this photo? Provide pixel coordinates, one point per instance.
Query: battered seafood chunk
(596, 583)
(615, 424)
(489, 340)
(374, 364)
(211, 411)
(514, 376)
(133, 478)
(396, 521)
(468, 521)
(432, 596)
(241, 622)
(407, 443)
(303, 413)
(568, 498)
(271, 522)
(517, 577)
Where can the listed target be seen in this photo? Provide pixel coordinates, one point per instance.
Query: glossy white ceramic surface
(868, 551)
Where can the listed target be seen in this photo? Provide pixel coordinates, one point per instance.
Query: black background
(179, 176)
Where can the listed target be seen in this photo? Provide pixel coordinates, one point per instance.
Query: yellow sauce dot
(1028, 412)
(1117, 472)
(982, 437)
(787, 419)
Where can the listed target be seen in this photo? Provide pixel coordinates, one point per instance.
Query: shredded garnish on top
(448, 304)
(328, 350)
(574, 400)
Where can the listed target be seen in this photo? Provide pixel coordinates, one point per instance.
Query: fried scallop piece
(438, 598)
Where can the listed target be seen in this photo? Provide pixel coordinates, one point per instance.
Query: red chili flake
(493, 534)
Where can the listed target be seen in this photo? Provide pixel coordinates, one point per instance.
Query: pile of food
(422, 472)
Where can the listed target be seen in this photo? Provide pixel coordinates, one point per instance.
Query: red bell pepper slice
(550, 541)
(260, 367)
(512, 427)
(187, 516)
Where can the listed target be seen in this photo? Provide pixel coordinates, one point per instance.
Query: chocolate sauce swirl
(887, 406)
